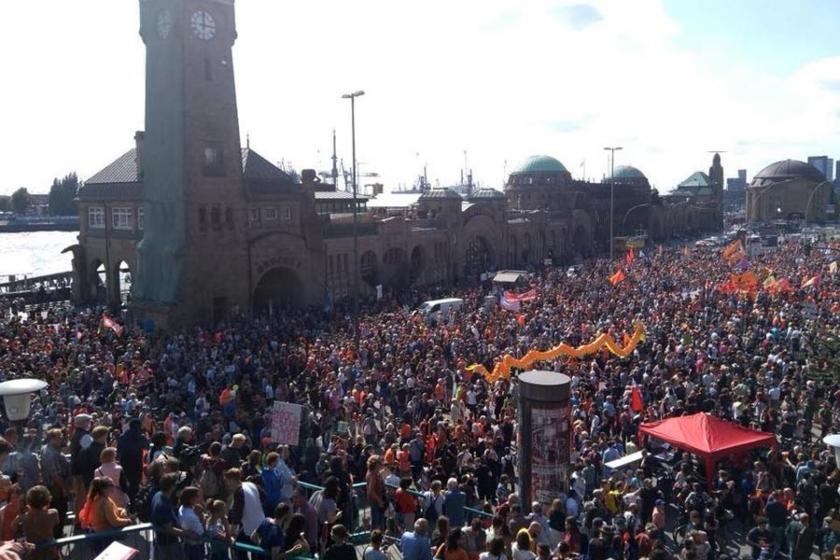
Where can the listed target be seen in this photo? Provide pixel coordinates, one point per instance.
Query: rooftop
(540, 164)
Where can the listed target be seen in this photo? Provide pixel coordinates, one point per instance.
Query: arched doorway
(123, 276)
(418, 263)
(527, 249)
(279, 287)
(395, 268)
(369, 269)
(580, 241)
(513, 257)
(478, 258)
(97, 282)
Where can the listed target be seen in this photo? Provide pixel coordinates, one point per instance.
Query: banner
(509, 304)
(504, 366)
(530, 295)
(285, 423)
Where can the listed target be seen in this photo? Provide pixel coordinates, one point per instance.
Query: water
(35, 253)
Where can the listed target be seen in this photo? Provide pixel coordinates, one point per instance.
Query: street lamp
(811, 197)
(352, 97)
(17, 396)
(612, 151)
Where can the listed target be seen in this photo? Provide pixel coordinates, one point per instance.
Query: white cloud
(501, 80)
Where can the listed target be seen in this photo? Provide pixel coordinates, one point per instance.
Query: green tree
(21, 201)
(5, 203)
(63, 194)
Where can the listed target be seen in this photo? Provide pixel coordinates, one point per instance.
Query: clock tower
(192, 166)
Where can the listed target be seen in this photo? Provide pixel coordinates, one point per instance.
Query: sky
(477, 83)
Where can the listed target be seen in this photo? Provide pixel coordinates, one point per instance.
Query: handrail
(111, 533)
(419, 494)
(121, 532)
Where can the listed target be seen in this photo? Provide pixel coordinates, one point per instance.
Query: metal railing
(141, 537)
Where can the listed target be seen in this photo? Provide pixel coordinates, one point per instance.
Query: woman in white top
(111, 469)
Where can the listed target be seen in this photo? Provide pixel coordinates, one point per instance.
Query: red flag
(637, 404)
(520, 318)
(617, 278)
(111, 324)
(629, 257)
(530, 295)
(783, 285)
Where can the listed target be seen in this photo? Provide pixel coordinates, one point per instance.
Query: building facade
(205, 228)
(790, 190)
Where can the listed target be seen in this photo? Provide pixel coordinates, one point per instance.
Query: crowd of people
(400, 440)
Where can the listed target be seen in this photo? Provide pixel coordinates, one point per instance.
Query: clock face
(203, 25)
(164, 24)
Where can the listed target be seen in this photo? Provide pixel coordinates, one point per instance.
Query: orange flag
(746, 282)
(629, 257)
(617, 278)
(813, 281)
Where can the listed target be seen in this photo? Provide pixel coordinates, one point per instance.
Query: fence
(85, 546)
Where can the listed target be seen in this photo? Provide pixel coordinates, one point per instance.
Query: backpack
(210, 483)
(431, 510)
(142, 504)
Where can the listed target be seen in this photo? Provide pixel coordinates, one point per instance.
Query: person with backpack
(211, 481)
(433, 500)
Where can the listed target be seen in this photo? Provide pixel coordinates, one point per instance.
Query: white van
(445, 306)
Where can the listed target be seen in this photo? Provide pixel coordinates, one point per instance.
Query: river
(35, 253)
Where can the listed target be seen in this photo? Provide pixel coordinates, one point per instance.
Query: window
(285, 214)
(254, 215)
(331, 265)
(208, 70)
(122, 218)
(215, 216)
(270, 213)
(344, 263)
(202, 218)
(96, 217)
(212, 160)
(229, 217)
(141, 218)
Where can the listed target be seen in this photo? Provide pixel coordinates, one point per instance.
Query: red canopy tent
(707, 436)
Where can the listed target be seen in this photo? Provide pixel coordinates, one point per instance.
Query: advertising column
(545, 437)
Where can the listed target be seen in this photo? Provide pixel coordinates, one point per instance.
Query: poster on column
(285, 423)
(550, 452)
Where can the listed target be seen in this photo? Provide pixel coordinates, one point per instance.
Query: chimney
(138, 154)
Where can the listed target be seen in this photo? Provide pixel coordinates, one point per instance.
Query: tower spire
(335, 164)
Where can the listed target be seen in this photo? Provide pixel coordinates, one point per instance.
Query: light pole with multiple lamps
(612, 151)
(352, 97)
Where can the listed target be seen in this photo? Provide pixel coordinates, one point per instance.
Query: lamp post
(352, 97)
(811, 197)
(17, 396)
(612, 151)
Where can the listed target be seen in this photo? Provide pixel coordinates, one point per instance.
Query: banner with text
(285, 423)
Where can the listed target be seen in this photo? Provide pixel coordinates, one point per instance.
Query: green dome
(541, 164)
(628, 172)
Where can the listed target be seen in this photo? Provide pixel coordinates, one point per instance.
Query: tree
(63, 195)
(21, 201)
(5, 203)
